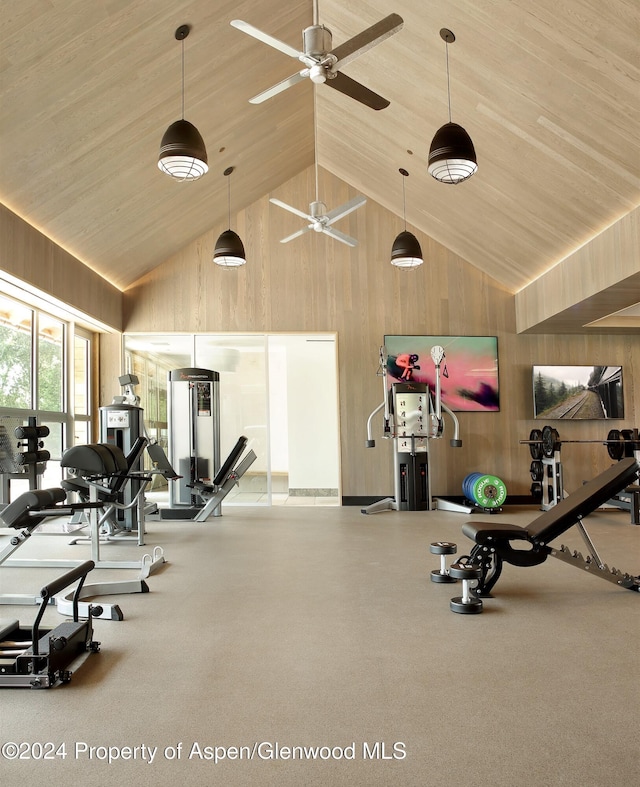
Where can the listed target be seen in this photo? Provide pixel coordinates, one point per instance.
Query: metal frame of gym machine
(411, 419)
(146, 565)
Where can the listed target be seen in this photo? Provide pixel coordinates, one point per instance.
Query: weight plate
(443, 548)
(615, 448)
(535, 446)
(489, 491)
(550, 438)
(536, 490)
(537, 470)
(627, 436)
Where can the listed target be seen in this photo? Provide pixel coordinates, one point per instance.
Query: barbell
(545, 442)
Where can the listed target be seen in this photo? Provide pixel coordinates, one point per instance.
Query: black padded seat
(483, 532)
(94, 459)
(18, 513)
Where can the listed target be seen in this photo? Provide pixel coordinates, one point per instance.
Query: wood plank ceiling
(548, 91)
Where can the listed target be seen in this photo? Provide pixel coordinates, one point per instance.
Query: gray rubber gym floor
(308, 646)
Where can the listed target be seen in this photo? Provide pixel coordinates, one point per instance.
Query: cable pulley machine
(412, 417)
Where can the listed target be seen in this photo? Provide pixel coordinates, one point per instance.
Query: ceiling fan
(322, 63)
(321, 221)
(318, 218)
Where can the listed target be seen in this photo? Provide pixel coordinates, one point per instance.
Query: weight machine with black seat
(493, 541)
(214, 493)
(38, 658)
(101, 469)
(412, 418)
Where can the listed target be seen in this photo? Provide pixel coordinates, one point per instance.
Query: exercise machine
(100, 469)
(194, 447)
(39, 658)
(412, 418)
(193, 411)
(212, 494)
(493, 542)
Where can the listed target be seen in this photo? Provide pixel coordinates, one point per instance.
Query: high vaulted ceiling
(549, 92)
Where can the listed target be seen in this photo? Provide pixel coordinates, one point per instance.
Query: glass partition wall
(279, 391)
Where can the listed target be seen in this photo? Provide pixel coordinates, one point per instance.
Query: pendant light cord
(404, 205)
(446, 48)
(229, 197)
(182, 42)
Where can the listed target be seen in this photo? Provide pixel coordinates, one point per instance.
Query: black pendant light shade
(406, 251)
(452, 157)
(182, 152)
(183, 155)
(229, 250)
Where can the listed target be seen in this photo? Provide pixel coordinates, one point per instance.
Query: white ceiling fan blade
(297, 212)
(337, 235)
(273, 91)
(344, 210)
(245, 27)
(296, 234)
(364, 41)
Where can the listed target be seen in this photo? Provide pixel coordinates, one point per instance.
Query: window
(46, 373)
(16, 325)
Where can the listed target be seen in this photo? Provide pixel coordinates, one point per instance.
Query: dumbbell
(467, 603)
(442, 548)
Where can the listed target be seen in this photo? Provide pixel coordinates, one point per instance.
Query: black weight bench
(494, 541)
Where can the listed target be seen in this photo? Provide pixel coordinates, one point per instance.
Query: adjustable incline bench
(493, 540)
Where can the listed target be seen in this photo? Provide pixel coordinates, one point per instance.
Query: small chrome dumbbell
(468, 603)
(442, 548)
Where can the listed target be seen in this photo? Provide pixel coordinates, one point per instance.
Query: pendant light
(183, 155)
(405, 252)
(229, 251)
(452, 157)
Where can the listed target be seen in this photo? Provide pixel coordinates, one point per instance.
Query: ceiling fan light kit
(229, 249)
(183, 154)
(452, 157)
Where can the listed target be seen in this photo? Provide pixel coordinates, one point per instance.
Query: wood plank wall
(317, 284)
(588, 284)
(35, 259)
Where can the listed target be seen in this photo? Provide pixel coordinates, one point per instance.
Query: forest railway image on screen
(578, 392)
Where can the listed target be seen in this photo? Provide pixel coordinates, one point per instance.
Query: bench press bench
(495, 541)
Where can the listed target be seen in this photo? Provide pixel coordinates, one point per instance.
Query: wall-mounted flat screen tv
(577, 392)
(469, 371)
